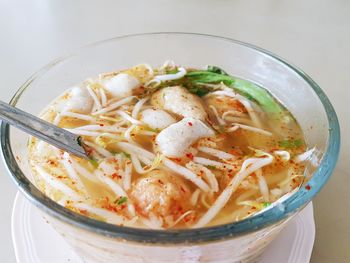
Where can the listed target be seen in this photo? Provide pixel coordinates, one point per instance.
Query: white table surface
(314, 35)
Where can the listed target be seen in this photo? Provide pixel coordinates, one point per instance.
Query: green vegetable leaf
(204, 76)
(93, 162)
(121, 200)
(246, 88)
(216, 69)
(172, 71)
(198, 90)
(290, 144)
(266, 204)
(211, 166)
(126, 155)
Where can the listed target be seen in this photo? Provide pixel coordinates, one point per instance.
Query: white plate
(35, 241)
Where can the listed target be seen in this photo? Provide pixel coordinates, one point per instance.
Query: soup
(171, 147)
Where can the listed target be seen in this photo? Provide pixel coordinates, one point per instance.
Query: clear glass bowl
(96, 241)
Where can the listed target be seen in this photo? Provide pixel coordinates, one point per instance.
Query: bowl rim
(220, 232)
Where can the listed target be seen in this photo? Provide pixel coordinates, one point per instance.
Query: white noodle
(147, 133)
(99, 149)
(186, 173)
(285, 156)
(249, 128)
(114, 105)
(304, 156)
(156, 81)
(127, 117)
(204, 201)
(115, 187)
(207, 174)
(145, 160)
(57, 119)
(241, 120)
(131, 148)
(94, 97)
(84, 133)
(194, 197)
(251, 112)
(72, 173)
(277, 192)
(233, 129)
(103, 97)
(245, 195)
(182, 217)
(99, 128)
(40, 146)
(264, 189)
(217, 153)
(247, 104)
(109, 217)
(220, 202)
(219, 120)
(131, 210)
(189, 175)
(78, 116)
(127, 133)
(235, 113)
(153, 222)
(56, 184)
(84, 172)
(127, 175)
(182, 72)
(137, 164)
(218, 165)
(138, 107)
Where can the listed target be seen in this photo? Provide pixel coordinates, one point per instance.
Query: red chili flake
(190, 123)
(179, 209)
(189, 218)
(160, 181)
(51, 162)
(123, 206)
(116, 175)
(83, 212)
(189, 156)
(178, 160)
(182, 189)
(308, 187)
(101, 124)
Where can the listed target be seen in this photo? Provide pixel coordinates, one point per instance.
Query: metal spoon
(43, 130)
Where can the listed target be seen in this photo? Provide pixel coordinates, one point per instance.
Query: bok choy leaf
(246, 88)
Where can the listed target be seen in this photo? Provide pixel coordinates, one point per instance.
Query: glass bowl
(242, 241)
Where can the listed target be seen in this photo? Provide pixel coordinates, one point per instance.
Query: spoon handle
(43, 130)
